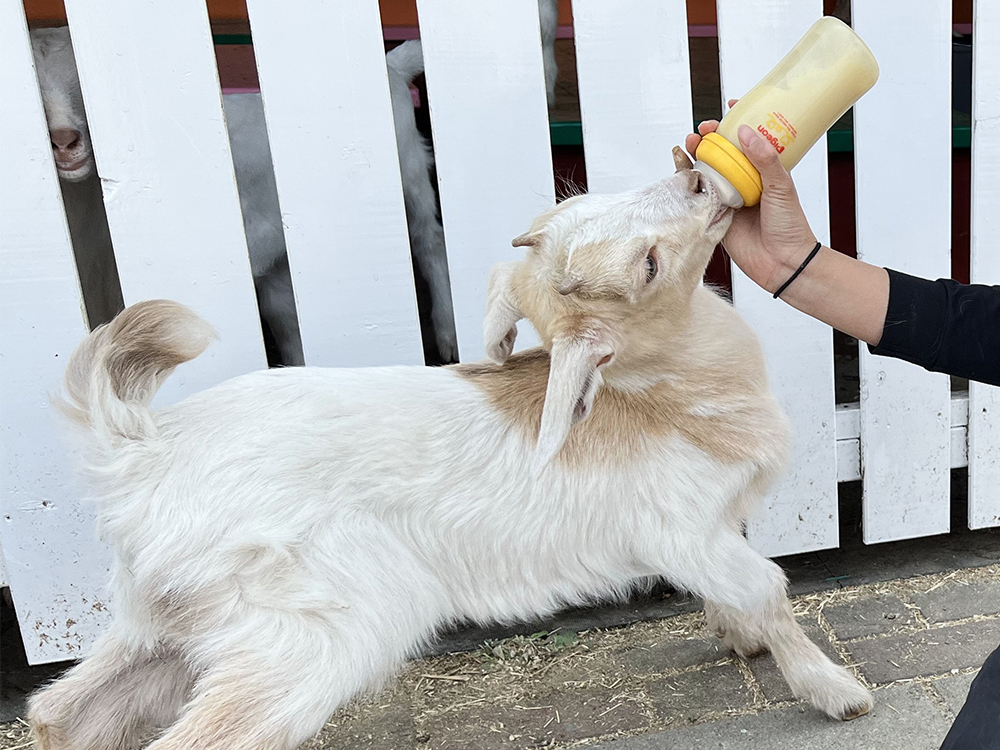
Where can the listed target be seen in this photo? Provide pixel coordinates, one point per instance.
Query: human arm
(943, 326)
(940, 325)
(769, 242)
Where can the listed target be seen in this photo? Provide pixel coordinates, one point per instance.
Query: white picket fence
(152, 95)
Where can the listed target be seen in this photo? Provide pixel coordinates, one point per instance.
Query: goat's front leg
(727, 623)
(111, 700)
(751, 590)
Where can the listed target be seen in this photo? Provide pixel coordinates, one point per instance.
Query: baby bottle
(824, 74)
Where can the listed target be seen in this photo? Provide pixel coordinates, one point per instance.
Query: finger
(732, 102)
(691, 143)
(764, 158)
(708, 126)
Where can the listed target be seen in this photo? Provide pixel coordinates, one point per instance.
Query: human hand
(770, 240)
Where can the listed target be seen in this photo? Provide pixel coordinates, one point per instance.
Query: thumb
(765, 159)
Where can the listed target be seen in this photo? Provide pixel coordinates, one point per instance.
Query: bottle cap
(729, 162)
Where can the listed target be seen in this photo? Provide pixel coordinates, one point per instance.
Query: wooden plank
(484, 65)
(849, 438)
(635, 89)
(903, 188)
(800, 514)
(155, 113)
(57, 570)
(330, 124)
(984, 410)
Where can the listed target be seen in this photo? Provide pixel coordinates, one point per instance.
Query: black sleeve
(943, 326)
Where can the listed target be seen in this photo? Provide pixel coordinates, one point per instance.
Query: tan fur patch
(738, 426)
(148, 340)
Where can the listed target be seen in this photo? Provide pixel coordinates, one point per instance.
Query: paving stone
(562, 716)
(955, 689)
(926, 652)
(879, 615)
(904, 718)
(955, 601)
(688, 697)
(672, 653)
(765, 669)
(656, 604)
(389, 727)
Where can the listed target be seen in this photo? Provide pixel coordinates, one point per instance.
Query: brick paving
(669, 683)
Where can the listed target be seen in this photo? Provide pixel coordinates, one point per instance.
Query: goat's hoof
(752, 653)
(834, 691)
(846, 701)
(853, 712)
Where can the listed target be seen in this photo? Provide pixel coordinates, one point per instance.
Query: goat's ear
(502, 312)
(574, 377)
(681, 160)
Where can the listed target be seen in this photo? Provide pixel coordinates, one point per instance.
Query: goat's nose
(64, 138)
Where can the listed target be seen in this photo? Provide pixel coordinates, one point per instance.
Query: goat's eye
(651, 266)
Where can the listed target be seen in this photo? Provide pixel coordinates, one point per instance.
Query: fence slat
(800, 514)
(984, 400)
(635, 89)
(903, 189)
(332, 141)
(486, 89)
(155, 112)
(55, 566)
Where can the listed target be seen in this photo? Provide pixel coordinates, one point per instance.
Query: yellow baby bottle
(821, 78)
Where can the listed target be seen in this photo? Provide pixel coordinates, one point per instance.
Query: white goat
(81, 189)
(287, 539)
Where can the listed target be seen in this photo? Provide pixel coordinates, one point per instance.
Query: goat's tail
(113, 375)
(407, 59)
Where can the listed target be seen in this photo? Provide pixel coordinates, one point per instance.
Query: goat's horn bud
(569, 285)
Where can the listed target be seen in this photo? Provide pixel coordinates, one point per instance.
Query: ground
(916, 641)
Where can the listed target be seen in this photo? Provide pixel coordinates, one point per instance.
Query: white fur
(62, 100)
(287, 539)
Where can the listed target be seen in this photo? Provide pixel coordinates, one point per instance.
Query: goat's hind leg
(275, 689)
(112, 700)
(729, 573)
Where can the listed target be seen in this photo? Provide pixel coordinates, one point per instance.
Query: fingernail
(745, 134)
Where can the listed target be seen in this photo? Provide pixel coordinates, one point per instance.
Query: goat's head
(63, 101)
(607, 283)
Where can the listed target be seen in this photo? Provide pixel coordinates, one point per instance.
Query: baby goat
(286, 540)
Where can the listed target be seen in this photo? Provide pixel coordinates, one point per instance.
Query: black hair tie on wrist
(801, 268)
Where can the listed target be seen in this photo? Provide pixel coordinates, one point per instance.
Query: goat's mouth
(721, 209)
(74, 170)
(720, 214)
